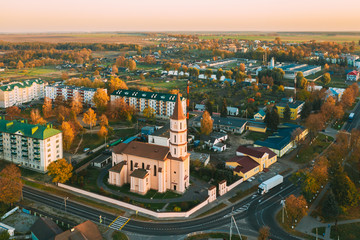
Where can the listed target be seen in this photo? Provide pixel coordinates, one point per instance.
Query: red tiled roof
(144, 150)
(353, 72)
(250, 151)
(178, 113)
(266, 150)
(246, 164)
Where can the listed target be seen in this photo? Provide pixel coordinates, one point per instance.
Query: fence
(229, 188)
(134, 207)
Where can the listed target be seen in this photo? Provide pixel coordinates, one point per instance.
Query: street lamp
(65, 198)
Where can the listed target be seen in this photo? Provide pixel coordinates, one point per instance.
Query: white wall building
(17, 93)
(162, 103)
(32, 146)
(86, 94)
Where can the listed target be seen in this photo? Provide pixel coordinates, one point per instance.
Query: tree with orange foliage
(13, 111)
(47, 107)
(144, 89)
(114, 69)
(20, 65)
(242, 67)
(116, 84)
(76, 106)
(68, 135)
(64, 76)
(10, 184)
(90, 118)
(175, 91)
(119, 109)
(206, 123)
(101, 99)
(96, 73)
(36, 117)
(328, 108)
(120, 61)
(103, 132)
(315, 122)
(348, 98)
(296, 207)
(60, 171)
(320, 170)
(103, 120)
(61, 113)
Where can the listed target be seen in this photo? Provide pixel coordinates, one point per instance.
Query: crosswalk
(239, 210)
(119, 223)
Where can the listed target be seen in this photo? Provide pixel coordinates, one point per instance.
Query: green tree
(223, 110)
(209, 107)
(326, 79)
(4, 235)
(306, 111)
(272, 119)
(219, 74)
(330, 208)
(344, 190)
(208, 73)
(287, 113)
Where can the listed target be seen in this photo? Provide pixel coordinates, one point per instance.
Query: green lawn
(256, 136)
(320, 230)
(119, 236)
(309, 152)
(346, 231)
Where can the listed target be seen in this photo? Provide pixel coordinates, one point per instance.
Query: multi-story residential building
(295, 108)
(68, 92)
(162, 103)
(32, 146)
(17, 93)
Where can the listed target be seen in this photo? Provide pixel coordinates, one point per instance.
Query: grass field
(45, 73)
(288, 37)
(126, 38)
(308, 153)
(346, 231)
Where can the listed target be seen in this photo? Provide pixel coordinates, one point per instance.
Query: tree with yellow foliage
(149, 112)
(36, 117)
(116, 84)
(103, 120)
(47, 107)
(68, 135)
(20, 65)
(10, 184)
(101, 99)
(296, 207)
(132, 65)
(90, 118)
(103, 132)
(60, 171)
(206, 123)
(114, 69)
(76, 105)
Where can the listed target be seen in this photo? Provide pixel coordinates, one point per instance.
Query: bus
(351, 117)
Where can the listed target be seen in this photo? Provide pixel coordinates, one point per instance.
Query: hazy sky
(185, 15)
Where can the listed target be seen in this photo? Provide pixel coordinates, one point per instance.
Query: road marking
(113, 221)
(124, 224)
(239, 210)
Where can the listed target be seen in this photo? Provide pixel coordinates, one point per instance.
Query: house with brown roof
(251, 160)
(151, 166)
(84, 231)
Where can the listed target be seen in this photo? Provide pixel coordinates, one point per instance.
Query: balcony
(13, 148)
(25, 156)
(25, 150)
(36, 142)
(37, 158)
(13, 153)
(37, 153)
(24, 139)
(37, 147)
(12, 137)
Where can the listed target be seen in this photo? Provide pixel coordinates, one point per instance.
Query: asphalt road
(356, 121)
(256, 210)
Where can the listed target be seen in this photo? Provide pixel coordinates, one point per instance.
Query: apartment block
(162, 103)
(17, 93)
(68, 92)
(32, 146)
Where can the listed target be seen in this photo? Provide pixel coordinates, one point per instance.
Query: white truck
(270, 183)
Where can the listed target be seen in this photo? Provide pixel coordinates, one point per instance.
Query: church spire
(178, 113)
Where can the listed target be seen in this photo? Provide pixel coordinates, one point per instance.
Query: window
(180, 126)
(131, 165)
(174, 172)
(154, 170)
(143, 166)
(174, 151)
(174, 138)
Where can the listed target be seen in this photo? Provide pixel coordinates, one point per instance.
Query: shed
(101, 160)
